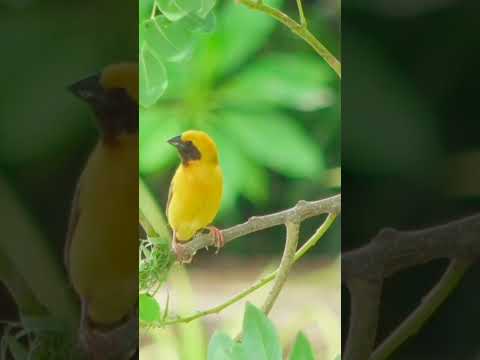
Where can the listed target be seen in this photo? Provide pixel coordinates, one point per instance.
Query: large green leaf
(149, 309)
(302, 350)
(157, 125)
(240, 33)
(220, 347)
(241, 174)
(299, 81)
(276, 141)
(260, 339)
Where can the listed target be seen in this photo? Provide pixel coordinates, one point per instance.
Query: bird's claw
(219, 239)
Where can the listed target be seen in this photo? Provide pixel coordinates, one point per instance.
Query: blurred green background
(411, 150)
(273, 108)
(46, 133)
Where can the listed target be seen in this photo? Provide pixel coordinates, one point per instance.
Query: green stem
(299, 30)
(263, 281)
(303, 20)
(150, 216)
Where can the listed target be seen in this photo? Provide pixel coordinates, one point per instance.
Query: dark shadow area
(411, 153)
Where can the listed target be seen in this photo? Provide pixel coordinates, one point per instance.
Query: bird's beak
(88, 89)
(176, 141)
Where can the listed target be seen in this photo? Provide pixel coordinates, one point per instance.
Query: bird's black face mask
(116, 111)
(187, 150)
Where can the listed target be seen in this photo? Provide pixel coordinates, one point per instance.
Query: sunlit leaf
(149, 310)
(157, 125)
(276, 141)
(220, 347)
(260, 338)
(302, 350)
(177, 9)
(170, 41)
(299, 81)
(153, 77)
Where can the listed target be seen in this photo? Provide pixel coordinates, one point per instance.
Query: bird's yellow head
(113, 95)
(194, 145)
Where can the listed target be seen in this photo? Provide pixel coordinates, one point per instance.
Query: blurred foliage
(256, 104)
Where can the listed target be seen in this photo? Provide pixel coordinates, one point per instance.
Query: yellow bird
(101, 252)
(195, 191)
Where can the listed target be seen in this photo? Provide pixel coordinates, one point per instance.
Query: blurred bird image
(101, 251)
(195, 191)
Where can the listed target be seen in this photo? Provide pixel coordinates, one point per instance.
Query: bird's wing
(72, 224)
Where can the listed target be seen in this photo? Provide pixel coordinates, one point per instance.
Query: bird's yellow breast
(196, 195)
(104, 249)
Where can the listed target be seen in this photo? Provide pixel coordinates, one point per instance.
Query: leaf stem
(303, 20)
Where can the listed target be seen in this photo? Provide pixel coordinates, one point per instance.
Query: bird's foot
(183, 256)
(219, 239)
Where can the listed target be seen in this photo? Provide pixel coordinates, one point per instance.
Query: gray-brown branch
(364, 270)
(300, 212)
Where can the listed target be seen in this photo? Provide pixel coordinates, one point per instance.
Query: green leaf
(260, 339)
(276, 141)
(177, 9)
(240, 33)
(220, 347)
(153, 77)
(149, 309)
(302, 350)
(157, 125)
(169, 41)
(298, 81)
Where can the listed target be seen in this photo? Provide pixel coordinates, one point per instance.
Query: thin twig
(299, 30)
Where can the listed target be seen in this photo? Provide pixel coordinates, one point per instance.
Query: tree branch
(311, 242)
(293, 231)
(364, 270)
(300, 212)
